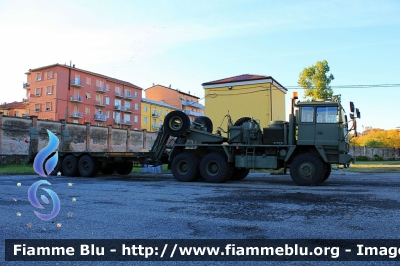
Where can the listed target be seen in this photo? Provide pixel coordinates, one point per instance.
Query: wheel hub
(306, 170)
(213, 168)
(175, 123)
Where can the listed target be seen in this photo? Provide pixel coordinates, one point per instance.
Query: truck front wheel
(307, 169)
(70, 166)
(327, 172)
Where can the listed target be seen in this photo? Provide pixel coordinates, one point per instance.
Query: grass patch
(375, 167)
(17, 169)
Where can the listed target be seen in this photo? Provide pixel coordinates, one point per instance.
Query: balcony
(25, 100)
(127, 109)
(76, 114)
(118, 107)
(119, 94)
(101, 89)
(128, 96)
(100, 117)
(99, 103)
(76, 83)
(75, 99)
(26, 85)
(128, 122)
(118, 121)
(154, 126)
(155, 114)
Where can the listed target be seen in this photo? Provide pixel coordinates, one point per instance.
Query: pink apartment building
(58, 91)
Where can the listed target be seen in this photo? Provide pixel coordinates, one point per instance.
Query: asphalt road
(262, 206)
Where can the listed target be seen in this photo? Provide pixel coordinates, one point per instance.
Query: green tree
(315, 80)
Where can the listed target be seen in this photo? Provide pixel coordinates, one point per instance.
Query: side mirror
(358, 113)
(351, 116)
(351, 107)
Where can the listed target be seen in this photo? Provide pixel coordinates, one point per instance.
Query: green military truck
(314, 138)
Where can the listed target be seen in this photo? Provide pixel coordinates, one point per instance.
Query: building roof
(173, 90)
(242, 78)
(122, 82)
(13, 105)
(159, 103)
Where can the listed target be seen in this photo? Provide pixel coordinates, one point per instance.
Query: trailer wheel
(328, 171)
(214, 168)
(87, 166)
(109, 169)
(206, 122)
(70, 165)
(240, 173)
(176, 123)
(124, 169)
(185, 167)
(58, 167)
(307, 169)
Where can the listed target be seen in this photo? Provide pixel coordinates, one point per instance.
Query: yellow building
(153, 114)
(260, 97)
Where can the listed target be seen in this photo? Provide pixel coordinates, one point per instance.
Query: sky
(187, 43)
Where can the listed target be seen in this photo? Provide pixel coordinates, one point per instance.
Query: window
(88, 81)
(136, 106)
(16, 113)
(88, 97)
(160, 122)
(136, 94)
(136, 118)
(127, 117)
(117, 102)
(127, 93)
(107, 87)
(38, 91)
(154, 110)
(166, 112)
(145, 120)
(98, 124)
(160, 111)
(118, 89)
(37, 107)
(48, 106)
(307, 114)
(98, 111)
(145, 108)
(127, 104)
(87, 110)
(108, 114)
(328, 114)
(38, 76)
(49, 90)
(49, 74)
(107, 100)
(75, 121)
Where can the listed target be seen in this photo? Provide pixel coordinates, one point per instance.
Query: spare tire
(242, 120)
(176, 123)
(206, 122)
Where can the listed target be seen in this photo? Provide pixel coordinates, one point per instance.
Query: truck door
(306, 126)
(327, 127)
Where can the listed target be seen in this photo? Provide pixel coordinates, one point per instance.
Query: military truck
(314, 138)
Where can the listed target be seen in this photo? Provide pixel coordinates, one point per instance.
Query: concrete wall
(387, 153)
(13, 131)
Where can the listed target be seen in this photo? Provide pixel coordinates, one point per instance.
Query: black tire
(307, 169)
(206, 122)
(109, 169)
(240, 173)
(176, 123)
(58, 167)
(124, 169)
(240, 121)
(214, 168)
(328, 171)
(70, 166)
(185, 167)
(87, 166)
